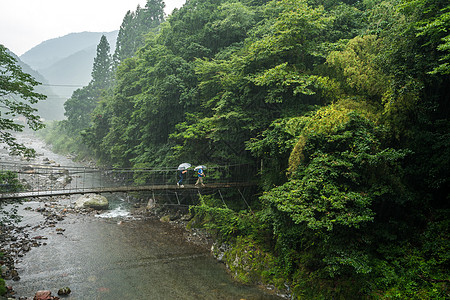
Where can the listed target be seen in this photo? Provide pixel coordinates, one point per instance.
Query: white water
(118, 212)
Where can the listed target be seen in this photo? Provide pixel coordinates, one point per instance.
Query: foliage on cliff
(343, 106)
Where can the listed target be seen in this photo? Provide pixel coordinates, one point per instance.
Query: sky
(26, 23)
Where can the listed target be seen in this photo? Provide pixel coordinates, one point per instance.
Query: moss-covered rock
(249, 263)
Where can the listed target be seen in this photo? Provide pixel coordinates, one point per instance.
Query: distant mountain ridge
(51, 108)
(74, 69)
(48, 52)
(64, 64)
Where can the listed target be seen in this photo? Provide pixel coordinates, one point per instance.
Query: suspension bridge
(48, 180)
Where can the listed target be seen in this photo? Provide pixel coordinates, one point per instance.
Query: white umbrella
(200, 167)
(184, 166)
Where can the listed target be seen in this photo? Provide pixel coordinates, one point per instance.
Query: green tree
(432, 23)
(416, 104)
(101, 69)
(79, 107)
(270, 76)
(16, 95)
(185, 32)
(229, 24)
(9, 183)
(124, 48)
(118, 139)
(152, 15)
(135, 26)
(342, 178)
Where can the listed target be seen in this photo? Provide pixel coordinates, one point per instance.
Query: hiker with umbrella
(182, 169)
(200, 174)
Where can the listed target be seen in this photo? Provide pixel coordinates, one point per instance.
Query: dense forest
(341, 105)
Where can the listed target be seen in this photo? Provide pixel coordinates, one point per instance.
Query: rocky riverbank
(18, 239)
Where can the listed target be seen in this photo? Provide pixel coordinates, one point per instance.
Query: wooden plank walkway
(123, 189)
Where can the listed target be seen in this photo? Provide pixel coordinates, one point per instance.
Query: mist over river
(115, 255)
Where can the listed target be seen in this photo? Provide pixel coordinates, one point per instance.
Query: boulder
(165, 219)
(43, 295)
(64, 291)
(94, 201)
(151, 204)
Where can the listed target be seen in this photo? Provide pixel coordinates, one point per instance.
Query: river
(117, 256)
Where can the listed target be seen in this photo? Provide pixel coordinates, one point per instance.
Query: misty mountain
(64, 64)
(51, 108)
(74, 68)
(70, 73)
(51, 51)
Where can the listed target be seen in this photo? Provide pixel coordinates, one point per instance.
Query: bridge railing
(40, 177)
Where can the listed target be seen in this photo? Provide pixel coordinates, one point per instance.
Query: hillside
(71, 72)
(64, 64)
(49, 52)
(51, 108)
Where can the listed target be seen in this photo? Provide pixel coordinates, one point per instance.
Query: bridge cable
(222, 199)
(245, 200)
(176, 194)
(201, 198)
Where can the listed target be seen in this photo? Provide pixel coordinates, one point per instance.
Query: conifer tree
(152, 15)
(123, 49)
(135, 26)
(101, 70)
(79, 106)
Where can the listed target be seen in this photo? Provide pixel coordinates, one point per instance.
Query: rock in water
(94, 201)
(151, 204)
(64, 291)
(43, 295)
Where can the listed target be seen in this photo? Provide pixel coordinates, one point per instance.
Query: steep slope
(48, 52)
(70, 73)
(66, 64)
(51, 108)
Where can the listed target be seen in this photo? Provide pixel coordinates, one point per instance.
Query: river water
(116, 256)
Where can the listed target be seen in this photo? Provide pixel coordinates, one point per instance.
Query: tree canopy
(16, 96)
(341, 105)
